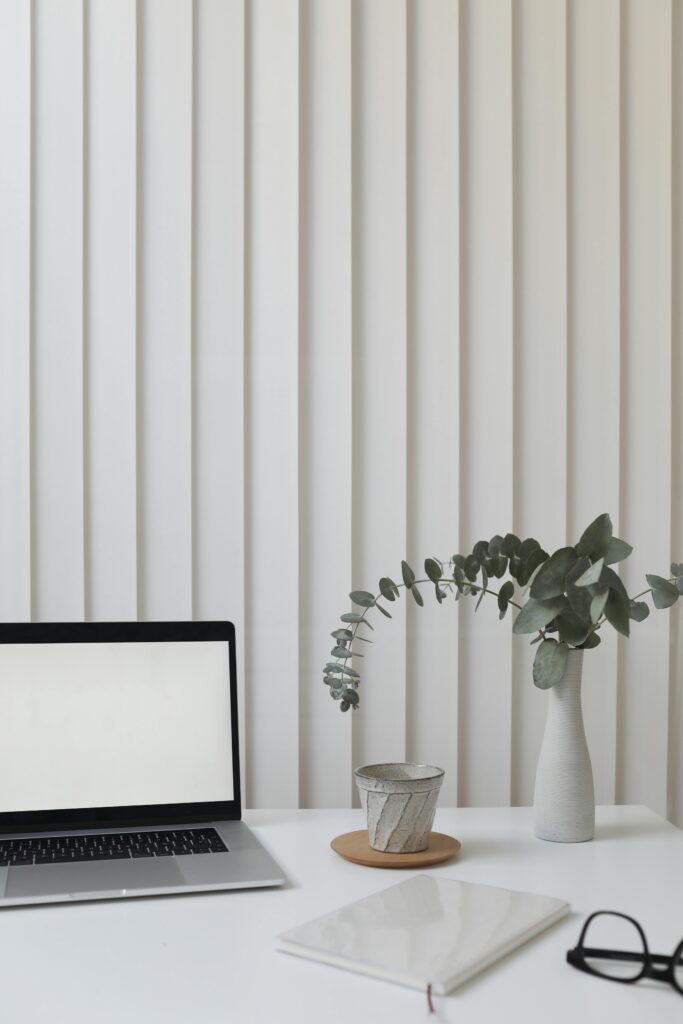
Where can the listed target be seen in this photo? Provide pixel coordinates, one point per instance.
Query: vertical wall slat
(540, 482)
(57, 377)
(379, 406)
(594, 363)
(15, 310)
(218, 393)
(165, 309)
(433, 376)
(675, 804)
(272, 422)
(486, 391)
(646, 389)
(111, 328)
(325, 408)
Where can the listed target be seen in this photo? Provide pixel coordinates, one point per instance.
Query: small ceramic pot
(399, 801)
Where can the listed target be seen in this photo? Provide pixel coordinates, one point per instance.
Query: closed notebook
(427, 930)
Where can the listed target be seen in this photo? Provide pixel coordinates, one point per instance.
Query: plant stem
(445, 580)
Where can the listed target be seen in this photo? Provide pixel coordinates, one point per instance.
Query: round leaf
(550, 578)
(472, 567)
(549, 664)
(591, 575)
(617, 551)
(596, 537)
(433, 570)
(639, 610)
(537, 614)
(363, 598)
(408, 575)
(664, 594)
(388, 588)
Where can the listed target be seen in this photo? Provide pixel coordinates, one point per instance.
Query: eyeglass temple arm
(621, 954)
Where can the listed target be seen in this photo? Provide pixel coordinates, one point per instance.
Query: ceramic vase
(564, 800)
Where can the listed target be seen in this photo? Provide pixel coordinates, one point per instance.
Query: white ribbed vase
(564, 800)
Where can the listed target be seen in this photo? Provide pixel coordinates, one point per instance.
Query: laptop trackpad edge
(83, 877)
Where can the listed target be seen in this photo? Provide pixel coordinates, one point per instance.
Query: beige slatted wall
(290, 289)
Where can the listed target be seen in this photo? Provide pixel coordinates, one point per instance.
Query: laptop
(119, 763)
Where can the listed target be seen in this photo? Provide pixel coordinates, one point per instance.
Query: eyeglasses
(632, 960)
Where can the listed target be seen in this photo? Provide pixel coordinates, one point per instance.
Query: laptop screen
(98, 725)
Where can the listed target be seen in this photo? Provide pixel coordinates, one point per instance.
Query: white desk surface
(212, 957)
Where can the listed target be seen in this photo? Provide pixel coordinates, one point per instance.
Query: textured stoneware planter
(399, 801)
(564, 801)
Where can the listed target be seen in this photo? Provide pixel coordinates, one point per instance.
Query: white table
(212, 957)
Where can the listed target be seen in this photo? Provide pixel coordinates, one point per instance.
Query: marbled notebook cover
(426, 930)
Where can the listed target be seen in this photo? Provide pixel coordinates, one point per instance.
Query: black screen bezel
(136, 815)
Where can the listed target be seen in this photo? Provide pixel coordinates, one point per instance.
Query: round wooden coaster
(354, 846)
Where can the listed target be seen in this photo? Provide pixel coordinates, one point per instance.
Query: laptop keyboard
(110, 846)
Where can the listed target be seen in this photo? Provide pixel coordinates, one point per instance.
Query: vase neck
(569, 685)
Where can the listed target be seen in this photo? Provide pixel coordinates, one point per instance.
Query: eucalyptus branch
(572, 593)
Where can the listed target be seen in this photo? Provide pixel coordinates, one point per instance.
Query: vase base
(559, 837)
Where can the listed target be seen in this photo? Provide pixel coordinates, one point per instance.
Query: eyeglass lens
(678, 969)
(611, 932)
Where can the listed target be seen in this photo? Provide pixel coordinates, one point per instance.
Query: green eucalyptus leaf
(472, 566)
(495, 545)
(526, 547)
(363, 598)
(529, 570)
(388, 588)
(592, 640)
(351, 697)
(417, 595)
(408, 575)
(617, 551)
(433, 570)
(504, 595)
(344, 652)
(511, 545)
(549, 664)
(355, 617)
(618, 610)
(459, 560)
(591, 575)
(664, 594)
(578, 597)
(596, 537)
(500, 564)
(458, 575)
(481, 598)
(383, 611)
(537, 614)
(440, 594)
(677, 569)
(679, 584)
(550, 579)
(572, 628)
(480, 550)
(514, 566)
(639, 611)
(598, 602)
(342, 634)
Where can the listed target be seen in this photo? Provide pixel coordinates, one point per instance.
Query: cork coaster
(354, 846)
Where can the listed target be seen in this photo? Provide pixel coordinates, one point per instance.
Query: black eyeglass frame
(577, 956)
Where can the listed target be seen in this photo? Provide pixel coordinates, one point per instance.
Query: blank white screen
(114, 724)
